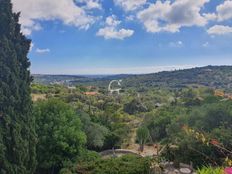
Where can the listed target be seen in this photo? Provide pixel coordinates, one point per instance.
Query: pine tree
(17, 125)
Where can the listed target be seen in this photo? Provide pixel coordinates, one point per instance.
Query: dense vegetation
(189, 129)
(183, 121)
(210, 76)
(60, 137)
(17, 124)
(65, 127)
(209, 170)
(127, 164)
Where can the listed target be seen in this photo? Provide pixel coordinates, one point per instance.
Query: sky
(125, 36)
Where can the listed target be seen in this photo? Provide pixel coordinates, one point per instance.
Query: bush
(210, 170)
(128, 164)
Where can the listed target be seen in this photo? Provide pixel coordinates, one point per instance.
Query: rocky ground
(170, 169)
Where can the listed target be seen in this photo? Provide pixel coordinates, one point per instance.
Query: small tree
(135, 106)
(95, 132)
(142, 136)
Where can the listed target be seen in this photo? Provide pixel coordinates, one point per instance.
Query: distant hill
(97, 80)
(55, 79)
(212, 76)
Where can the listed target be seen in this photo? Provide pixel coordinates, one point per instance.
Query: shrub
(210, 170)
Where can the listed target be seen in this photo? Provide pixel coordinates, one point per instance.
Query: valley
(161, 113)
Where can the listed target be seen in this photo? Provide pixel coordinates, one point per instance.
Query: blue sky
(126, 36)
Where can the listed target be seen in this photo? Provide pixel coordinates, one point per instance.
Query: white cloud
(219, 30)
(210, 16)
(130, 18)
(206, 44)
(90, 4)
(176, 44)
(111, 31)
(160, 16)
(34, 11)
(224, 10)
(171, 16)
(129, 5)
(31, 46)
(42, 51)
(223, 13)
(33, 27)
(112, 21)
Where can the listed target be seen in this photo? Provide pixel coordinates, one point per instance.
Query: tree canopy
(17, 126)
(60, 137)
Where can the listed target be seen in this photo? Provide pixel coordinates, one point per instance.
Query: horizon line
(159, 69)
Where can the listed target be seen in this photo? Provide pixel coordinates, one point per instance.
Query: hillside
(166, 113)
(96, 80)
(211, 76)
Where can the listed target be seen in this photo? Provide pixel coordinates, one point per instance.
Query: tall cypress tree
(17, 132)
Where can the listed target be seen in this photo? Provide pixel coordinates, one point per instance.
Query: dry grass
(36, 97)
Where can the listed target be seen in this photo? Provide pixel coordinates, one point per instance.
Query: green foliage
(211, 116)
(128, 164)
(17, 124)
(142, 136)
(46, 89)
(163, 121)
(95, 132)
(62, 136)
(158, 126)
(210, 76)
(65, 171)
(59, 134)
(134, 107)
(214, 121)
(210, 170)
(171, 104)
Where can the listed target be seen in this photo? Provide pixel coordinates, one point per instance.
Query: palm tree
(142, 136)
